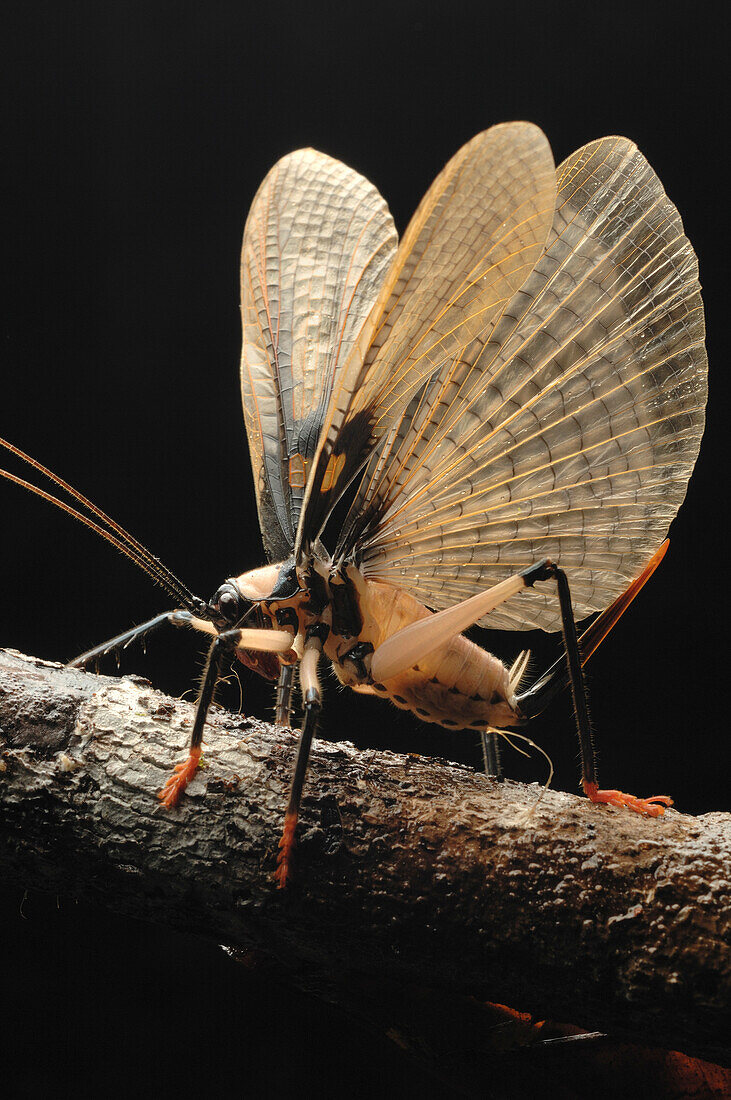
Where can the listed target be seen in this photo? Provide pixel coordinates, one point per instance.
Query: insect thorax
(301, 597)
(459, 686)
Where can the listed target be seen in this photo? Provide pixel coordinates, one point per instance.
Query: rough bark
(408, 868)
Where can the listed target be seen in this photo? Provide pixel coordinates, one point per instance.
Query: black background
(135, 138)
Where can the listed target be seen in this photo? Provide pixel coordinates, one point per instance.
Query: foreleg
(121, 641)
(270, 641)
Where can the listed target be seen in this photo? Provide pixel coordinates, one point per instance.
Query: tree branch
(408, 868)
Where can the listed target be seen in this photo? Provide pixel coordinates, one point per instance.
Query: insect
(506, 408)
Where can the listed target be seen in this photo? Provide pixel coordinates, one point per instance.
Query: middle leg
(312, 700)
(283, 706)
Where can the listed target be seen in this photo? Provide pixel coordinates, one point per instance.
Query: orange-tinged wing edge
(594, 635)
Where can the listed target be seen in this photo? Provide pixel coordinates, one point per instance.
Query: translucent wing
(473, 241)
(318, 242)
(572, 430)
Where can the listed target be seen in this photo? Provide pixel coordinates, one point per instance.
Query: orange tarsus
(589, 642)
(653, 807)
(286, 847)
(179, 780)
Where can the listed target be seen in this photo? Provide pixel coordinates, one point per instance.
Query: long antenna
(156, 571)
(138, 553)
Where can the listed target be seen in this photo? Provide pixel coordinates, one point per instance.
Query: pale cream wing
(318, 242)
(572, 430)
(473, 241)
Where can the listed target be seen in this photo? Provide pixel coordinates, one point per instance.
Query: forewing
(571, 433)
(472, 242)
(318, 242)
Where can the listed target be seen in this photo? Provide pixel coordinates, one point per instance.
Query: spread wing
(569, 428)
(318, 242)
(471, 244)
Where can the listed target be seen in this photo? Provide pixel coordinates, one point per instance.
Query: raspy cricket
(506, 407)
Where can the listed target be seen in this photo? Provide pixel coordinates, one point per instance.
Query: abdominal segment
(459, 686)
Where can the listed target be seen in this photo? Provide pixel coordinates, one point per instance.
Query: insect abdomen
(459, 686)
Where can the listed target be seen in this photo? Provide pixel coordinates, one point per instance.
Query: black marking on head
(288, 584)
(400, 699)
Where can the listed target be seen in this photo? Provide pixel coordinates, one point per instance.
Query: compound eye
(227, 601)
